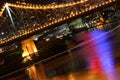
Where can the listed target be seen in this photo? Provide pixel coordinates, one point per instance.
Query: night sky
(2, 2)
(28, 1)
(13, 1)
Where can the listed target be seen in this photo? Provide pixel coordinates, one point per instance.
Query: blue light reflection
(104, 50)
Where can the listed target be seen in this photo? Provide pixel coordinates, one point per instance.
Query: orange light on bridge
(33, 6)
(106, 2)
(28, 47)
(2, 10)
(82, 11)
(103, 3)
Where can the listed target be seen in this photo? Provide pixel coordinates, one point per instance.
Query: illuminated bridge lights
(15, 36)
(39, 28)
(93, 7)
(56, 21)
(24, 33)
(80, 12)
(2, 10)
(103, 3)
(83, 11)
(46, 25)
(76, 13)
(90, 8)
(100, 5)
(96, 6)
(33, 6)
(106, 2)
(30, 31)
(110, 0)
(10, 39)
(53, 21)
(2, 42)
(18, 36)
(36, 29)
(67, 17)
(86, 9)
(49, 23)
(33, 29)
(61, 19)
(64, 18)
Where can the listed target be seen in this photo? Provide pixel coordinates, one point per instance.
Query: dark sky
(13, 1)
(4, 1)
(30, 1)
(1, 2)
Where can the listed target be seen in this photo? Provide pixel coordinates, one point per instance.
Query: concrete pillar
(28, 47)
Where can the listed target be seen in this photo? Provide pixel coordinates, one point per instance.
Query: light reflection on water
(99, 56)
(32, 72)
(36, 72)
(71, 77)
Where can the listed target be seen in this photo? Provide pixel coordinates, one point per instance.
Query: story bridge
(20, 21)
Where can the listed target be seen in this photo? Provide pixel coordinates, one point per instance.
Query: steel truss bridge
(20, 21)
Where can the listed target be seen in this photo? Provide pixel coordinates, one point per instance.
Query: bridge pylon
(28, 47)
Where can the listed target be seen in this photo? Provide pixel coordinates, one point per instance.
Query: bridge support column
(28, 47)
